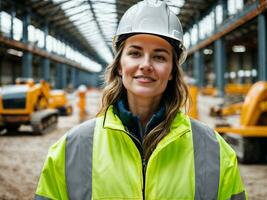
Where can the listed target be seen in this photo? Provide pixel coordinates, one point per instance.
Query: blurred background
(53, 54)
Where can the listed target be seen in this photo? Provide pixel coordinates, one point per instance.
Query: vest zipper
(142, 131)
(143, 163)
(142, 159)
(144, 176)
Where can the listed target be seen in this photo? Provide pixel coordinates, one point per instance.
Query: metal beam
(220, 57)
(262, 47)
(98, 25)
(27, 56)
(39, 52)
(242, 20)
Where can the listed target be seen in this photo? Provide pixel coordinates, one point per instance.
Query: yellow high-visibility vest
(99, 160)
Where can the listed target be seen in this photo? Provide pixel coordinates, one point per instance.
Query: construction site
(53, 55)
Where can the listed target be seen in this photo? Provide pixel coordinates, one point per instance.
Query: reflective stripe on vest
(38, 197)
(79, 161)
(207, 161)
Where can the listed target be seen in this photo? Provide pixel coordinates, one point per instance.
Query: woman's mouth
(144, 79)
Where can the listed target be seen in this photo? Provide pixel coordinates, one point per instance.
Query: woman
(141, 146)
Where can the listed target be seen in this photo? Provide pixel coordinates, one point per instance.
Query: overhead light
(239, 48)
(232, 75)
(241, 73)
(247, 73)
(15, 52)
(254, 72)
(207, 51)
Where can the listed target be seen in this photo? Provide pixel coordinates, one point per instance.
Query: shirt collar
(132, 122)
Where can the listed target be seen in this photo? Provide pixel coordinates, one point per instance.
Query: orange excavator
(249, 137)
(27, 103)
(58, 100)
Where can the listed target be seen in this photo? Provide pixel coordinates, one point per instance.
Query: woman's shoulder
(84, 128)
(202, 129)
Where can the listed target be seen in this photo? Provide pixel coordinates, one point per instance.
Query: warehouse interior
(68, 45)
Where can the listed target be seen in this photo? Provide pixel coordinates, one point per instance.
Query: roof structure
(90, 24)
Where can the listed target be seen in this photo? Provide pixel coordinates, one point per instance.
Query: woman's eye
(134, 53)
(160, 58)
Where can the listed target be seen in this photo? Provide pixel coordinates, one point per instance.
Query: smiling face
(145, 66)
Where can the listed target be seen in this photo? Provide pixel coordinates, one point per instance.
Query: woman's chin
(145, 93)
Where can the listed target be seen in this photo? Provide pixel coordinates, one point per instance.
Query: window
(234, 6)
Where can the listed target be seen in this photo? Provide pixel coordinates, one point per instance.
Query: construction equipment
(58, 100)
(27, 103)
(237, 88)
(233, 100)
(209, 91)
(193, 109)
(249, 138)
(222, 111)
(229, 89)
(82, 90)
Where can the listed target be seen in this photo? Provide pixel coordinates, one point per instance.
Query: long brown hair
(174, 97)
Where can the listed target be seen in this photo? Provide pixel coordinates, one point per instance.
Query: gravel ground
(22, 156)
(21, 159)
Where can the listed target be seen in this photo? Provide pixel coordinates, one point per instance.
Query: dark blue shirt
(132, 122)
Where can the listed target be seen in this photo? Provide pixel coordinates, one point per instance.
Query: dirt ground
(21, 159)
(22, 156)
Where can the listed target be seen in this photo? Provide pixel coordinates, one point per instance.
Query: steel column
(27, 64)
(46, 69)
(220, 61)
(74, 77)
(27, 56)
(240, 66)
(198, 65)
(26, 23)
(45, 61)
(61, 76)
(58, 76)
(262, 49)
(64, 75)
(225, 9)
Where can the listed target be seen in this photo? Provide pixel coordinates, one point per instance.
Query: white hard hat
(153, 17)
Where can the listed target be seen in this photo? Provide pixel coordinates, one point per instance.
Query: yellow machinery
(237, 88)
(27, 103)
(229, 89)
(249, 138)
(58, 100)
(82, 102)
(222, 111)
(209, 91)
(193, 109)
(234, 98)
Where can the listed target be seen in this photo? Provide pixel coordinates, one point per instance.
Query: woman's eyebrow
(162, 50)
(156, 50)
(135, 46)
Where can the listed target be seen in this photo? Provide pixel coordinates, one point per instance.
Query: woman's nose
(146, 64)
